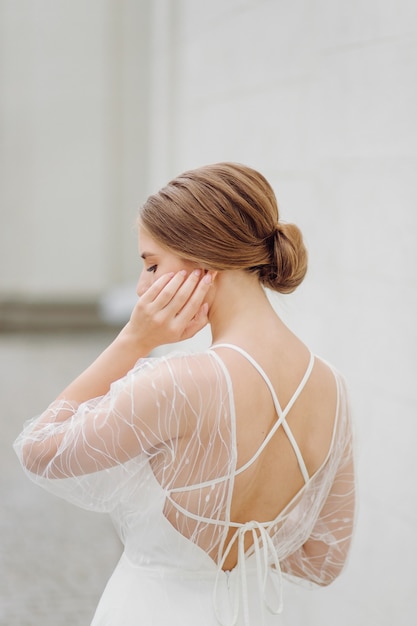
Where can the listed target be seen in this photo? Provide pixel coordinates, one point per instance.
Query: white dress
(170, 496)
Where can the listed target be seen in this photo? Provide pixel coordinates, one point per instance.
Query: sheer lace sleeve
(90, 453)
(325, 514)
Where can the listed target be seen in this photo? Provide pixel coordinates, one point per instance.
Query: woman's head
(223, 217)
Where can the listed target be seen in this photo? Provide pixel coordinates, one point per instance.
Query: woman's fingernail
(197, 272)
(183, 272)
(208, 279)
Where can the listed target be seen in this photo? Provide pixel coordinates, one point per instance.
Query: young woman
(223, 470)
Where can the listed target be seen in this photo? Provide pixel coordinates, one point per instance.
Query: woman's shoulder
(175, 358)
(184, 369)
(191, 385)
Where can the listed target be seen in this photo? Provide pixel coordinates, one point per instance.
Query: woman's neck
(240, 310)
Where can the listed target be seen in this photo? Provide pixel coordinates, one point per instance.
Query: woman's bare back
(273, 479)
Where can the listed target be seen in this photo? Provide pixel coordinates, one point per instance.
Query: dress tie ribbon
(267, 569)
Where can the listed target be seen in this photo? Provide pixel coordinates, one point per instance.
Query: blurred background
(101, 103)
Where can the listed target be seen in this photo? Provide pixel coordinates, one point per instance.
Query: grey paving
(54, 558)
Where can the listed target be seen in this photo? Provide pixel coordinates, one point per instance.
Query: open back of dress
(170, 497)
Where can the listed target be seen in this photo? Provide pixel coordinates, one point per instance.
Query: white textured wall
(73, 127)
(321, 96)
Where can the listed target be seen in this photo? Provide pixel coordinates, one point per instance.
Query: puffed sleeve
(90, 453)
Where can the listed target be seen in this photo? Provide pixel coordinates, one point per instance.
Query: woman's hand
(171, 310)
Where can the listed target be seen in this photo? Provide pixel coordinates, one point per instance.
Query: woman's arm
(323, 556)
(172, 309)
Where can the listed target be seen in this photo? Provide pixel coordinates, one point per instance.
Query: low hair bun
(225, 216)
(288, 259)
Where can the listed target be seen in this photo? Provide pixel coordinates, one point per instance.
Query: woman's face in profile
(157, 260)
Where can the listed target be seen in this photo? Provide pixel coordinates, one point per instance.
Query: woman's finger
(197, 322)
(192, 305)
(169, 293)
(173, 298)
(155, 288)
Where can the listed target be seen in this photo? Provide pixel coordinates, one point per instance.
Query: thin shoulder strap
(281, 413)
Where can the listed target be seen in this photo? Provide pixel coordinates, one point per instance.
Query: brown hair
(225, 216)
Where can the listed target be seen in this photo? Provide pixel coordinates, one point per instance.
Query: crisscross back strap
(282, 413)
